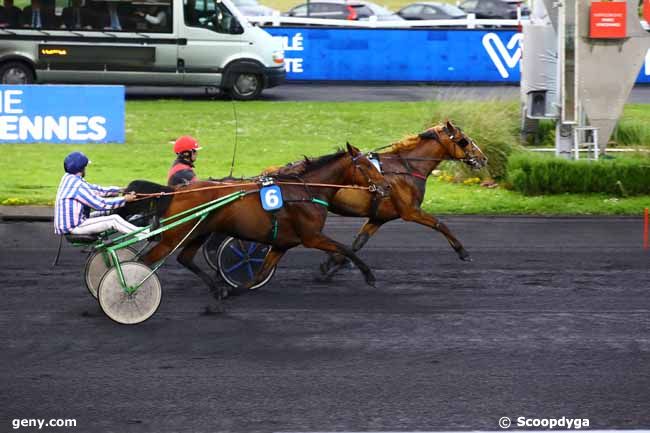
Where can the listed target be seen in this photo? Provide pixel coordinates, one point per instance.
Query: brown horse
(299, 221)
(406, 166)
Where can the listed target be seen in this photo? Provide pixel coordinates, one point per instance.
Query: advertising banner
(62, 114)
(419, 55)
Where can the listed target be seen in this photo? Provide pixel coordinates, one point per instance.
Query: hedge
(536, 174)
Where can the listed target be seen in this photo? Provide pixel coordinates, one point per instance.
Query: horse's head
(457, 144)
(365, 172)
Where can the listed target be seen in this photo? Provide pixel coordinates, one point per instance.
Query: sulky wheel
(238, 262)
(99, 262)
(136, 307)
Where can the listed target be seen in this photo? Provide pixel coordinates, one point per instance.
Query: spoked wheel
(238, 261)
(100, 262)
(130, 308)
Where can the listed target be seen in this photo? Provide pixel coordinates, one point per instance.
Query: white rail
(470, 22)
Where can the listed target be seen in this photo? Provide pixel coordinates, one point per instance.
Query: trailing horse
(306, 194)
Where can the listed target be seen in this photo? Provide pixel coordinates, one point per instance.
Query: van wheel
(16, 73)
(246, 86)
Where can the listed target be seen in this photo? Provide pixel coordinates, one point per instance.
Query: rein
(233, 185)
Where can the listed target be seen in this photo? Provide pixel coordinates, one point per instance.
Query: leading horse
(406, 165)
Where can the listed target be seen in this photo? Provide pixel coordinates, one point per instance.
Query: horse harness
(376, 191)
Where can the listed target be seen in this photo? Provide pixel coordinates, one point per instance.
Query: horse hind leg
(186, 258)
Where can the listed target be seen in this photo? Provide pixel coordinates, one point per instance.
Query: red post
(646, 10)
(645, 229)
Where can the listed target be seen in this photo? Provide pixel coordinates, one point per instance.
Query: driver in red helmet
(182, 170)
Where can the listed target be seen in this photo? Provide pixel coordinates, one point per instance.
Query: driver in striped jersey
(76, 198)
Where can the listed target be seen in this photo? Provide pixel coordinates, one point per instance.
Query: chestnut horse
(406, 166)
(299, 221)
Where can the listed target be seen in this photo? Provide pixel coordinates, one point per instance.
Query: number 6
(271, 198)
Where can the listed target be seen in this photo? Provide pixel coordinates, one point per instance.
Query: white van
(138, 42)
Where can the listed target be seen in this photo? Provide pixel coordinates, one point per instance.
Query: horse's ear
(450, 126)
(351, 149)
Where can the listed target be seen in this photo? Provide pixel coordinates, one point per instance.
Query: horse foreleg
(417, 215)
(271, 260)
(323, 243)
(335, 262)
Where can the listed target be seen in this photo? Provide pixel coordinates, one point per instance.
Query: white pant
(100, 224)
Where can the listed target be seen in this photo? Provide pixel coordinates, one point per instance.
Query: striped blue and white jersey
(76, 197)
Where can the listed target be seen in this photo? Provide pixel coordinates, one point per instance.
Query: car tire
(16, 73)
(246, 86)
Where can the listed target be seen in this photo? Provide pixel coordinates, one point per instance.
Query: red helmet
(186, 144)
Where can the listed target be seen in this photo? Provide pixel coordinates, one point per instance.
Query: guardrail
(470, 22)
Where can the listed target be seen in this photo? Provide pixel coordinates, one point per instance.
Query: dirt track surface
(551, 319)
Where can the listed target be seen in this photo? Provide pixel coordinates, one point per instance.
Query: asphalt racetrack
(551, 319)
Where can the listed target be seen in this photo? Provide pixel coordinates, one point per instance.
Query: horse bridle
(463, 143)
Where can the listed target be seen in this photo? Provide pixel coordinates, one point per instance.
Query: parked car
(343, 10)
(494, 9)
(251, 8)
(431, 11)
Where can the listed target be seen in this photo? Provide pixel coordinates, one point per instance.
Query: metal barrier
(469, 23)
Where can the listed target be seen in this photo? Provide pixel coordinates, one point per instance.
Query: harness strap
(320, 202)
(274, 227)
(418, 175)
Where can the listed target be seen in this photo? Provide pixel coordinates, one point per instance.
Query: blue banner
(62, 114)
(436, 55)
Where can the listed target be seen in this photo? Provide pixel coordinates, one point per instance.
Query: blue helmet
(75, 162)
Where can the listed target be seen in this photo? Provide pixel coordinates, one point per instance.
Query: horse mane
(409, 142)
(307, 165)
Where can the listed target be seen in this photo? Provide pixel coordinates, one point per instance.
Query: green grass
(272, 133)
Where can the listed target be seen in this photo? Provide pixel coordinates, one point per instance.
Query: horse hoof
(464, 256)
(324, 268)
(370, 280)
(220, 294)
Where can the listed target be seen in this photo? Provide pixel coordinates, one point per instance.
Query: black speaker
(537, 103)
